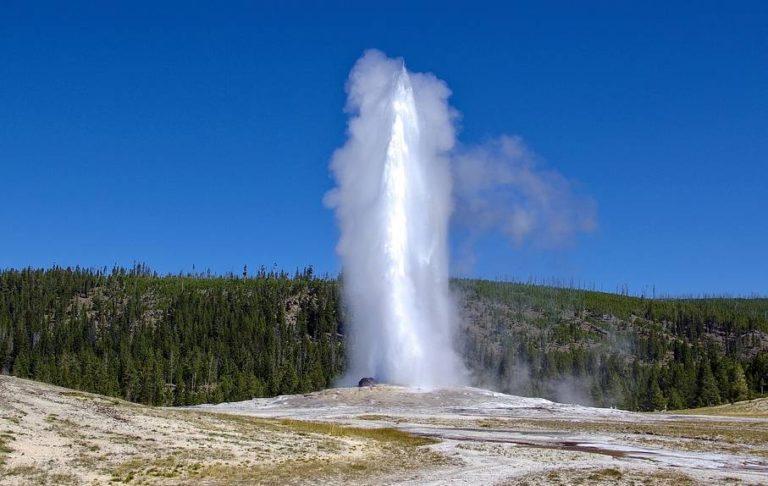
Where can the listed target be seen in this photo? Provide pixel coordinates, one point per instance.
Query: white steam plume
(393, 206)
(502, 186)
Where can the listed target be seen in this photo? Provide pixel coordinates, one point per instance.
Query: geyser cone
(393, 205)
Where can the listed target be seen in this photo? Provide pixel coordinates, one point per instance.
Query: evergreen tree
(739, 389)
(187, 339)
(707, 392)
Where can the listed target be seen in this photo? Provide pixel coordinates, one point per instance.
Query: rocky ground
(52, 435)
(496, 438)
(378, 435)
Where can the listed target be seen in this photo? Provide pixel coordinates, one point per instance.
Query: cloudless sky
(197, 133)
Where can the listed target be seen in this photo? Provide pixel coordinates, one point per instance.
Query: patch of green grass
(169, 466)
(723, 432)
(90, 396)
(61, 422)
(757, 408)
(249, 425)
(36, 475)
(381, 451)
(373, 416)
(351, 470)
(382, 418)
(606, 474)
(389, 435)
(76, 394)
(5, 449)
(13, 419)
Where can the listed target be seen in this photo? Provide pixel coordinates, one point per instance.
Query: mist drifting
(393, 205)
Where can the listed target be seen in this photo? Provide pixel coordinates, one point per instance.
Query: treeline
(612, 350)
(188, 339)
(171, 340)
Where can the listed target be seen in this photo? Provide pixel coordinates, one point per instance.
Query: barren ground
(380, 435)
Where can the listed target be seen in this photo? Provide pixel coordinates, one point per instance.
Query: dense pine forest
(188, 339)
(170, 340)
(614, 350)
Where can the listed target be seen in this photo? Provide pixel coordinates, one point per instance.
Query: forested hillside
(170, 340)
(614, 350)
(193, 339)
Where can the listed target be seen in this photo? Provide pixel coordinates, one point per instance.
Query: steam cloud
(393, 202)
(393, 205)
(502, 186)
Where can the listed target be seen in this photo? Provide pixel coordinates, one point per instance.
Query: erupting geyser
(393, 203)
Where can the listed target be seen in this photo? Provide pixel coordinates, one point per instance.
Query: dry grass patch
(605, 476)
(373, 416)
(5, 448)
(388, 434)
(757, 408)
(324, 451)
(755, 434)
(93, 398)
(384, 418)
(36, 475)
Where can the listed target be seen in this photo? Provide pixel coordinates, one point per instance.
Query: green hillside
(614, 350)
(170, 340)
(192, 339)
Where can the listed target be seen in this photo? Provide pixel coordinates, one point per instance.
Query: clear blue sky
(200, 134)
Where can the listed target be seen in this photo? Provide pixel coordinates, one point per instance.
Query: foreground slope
(52, 435)
(379, 435)
(490, 437)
